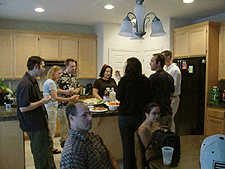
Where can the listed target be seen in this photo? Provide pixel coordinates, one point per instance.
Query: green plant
(3, 87)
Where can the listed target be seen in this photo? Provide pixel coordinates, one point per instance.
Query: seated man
(83, 149)
(212, 154)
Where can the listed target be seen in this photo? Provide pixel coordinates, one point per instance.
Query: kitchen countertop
(10, 115)
(220, 105)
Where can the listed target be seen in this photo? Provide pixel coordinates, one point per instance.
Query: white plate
(98, 111)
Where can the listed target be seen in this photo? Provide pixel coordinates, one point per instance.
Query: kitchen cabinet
(48, 47)
(215, 121)
(87, 65)
(25, 45)
(6, 55)
(68, 48)
(17, 46)
(191, 41)
(221, 75)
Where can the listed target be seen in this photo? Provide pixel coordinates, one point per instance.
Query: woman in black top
(103, 82)
(133, 94)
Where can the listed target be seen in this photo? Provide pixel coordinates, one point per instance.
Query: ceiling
(91, 12)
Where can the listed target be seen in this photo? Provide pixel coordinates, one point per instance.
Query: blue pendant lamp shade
(126, 28)
(157, 28)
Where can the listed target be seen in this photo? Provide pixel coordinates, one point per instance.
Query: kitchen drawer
(216, 113)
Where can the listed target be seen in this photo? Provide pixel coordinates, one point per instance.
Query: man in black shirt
(32, 114)
(162, 89)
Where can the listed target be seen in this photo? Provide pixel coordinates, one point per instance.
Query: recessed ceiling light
(108, 6)
(39, 9)
(188, 1)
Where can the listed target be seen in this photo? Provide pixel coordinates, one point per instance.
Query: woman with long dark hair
(133, 94)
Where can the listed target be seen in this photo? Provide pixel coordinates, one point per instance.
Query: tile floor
(29, 157)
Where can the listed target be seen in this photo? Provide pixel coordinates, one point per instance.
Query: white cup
(71, 88)
(167, 155)
(45, 95)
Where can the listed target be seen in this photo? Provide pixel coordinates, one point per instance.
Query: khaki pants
(52, 110)
(175, 105)
(63, 121)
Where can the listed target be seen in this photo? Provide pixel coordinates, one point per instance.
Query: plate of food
(98, 109)
(92, 101)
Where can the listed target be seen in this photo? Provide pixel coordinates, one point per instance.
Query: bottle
(223, 96)
(106, 95)
(84, 90)
(215, 95)
(112, 95)
(81, 89)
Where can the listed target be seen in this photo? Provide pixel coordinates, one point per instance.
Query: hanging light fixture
(141, 23)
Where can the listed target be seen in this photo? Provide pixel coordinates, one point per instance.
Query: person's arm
(66, 92)
(95, 94)
(144, 135)
(34, 105)
(117, 74)
(76, 91)
(113, 161)
(56, 98)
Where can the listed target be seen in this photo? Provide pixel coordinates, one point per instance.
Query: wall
(216, 18)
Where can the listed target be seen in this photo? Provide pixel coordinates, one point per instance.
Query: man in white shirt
(174, 71)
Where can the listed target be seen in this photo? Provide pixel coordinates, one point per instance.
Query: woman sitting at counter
(103, 82)
(52, 107)
(152, 113)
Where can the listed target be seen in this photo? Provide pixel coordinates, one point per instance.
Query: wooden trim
(46, 33)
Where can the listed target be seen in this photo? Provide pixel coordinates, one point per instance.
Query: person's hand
(46, 100)
(117, 74)
(69, 92)
(77, 90)
(72, 98)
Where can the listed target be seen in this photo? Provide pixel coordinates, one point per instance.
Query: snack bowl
(113, 107)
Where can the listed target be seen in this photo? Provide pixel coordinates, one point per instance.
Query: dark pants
(41, 147)
(128, 125)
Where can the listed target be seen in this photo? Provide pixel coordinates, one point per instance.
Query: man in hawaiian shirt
(84, 149)
(67, 85)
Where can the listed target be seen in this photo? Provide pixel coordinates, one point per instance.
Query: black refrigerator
(189, 119)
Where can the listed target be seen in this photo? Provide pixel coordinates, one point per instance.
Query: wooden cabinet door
(68, 48)
(87, 65)
(221, 75)
(215, 122)
(197, 41)
(49, 47)
(25, 45)
(6, 55)
(181, 44)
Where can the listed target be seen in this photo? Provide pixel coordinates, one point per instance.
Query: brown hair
(167, 53)
(133, 66)
(160, 58)
(104, 67)
(67, 62)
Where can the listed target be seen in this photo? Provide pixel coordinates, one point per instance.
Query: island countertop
(10, 115)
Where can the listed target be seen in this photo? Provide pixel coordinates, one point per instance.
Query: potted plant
(3, 88)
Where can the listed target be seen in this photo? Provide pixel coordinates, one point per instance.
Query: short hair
(50, 74)
(167, 53)
(72, 109)
(133, 66)
(32, 61)
(148, 107)
(67, 62)
(104, 67)
(160, 58)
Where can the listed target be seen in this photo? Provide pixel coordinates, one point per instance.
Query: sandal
(56, 151)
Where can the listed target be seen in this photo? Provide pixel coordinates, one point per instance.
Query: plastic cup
(167, 155)
(45, 95)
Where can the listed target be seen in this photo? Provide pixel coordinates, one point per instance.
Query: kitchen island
(11, 140)
(106, 125)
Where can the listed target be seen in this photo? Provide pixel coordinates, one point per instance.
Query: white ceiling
(91, 12)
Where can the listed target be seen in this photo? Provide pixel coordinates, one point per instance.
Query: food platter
(98, 111)
(92, 101)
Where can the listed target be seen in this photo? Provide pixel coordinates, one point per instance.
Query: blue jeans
(128, 125)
